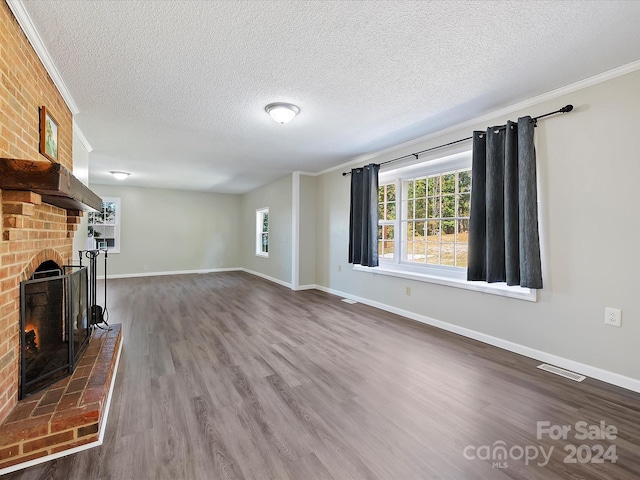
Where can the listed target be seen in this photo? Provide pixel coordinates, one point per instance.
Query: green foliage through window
(427, 220)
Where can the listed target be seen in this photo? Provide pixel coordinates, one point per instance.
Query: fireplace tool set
(97, 313)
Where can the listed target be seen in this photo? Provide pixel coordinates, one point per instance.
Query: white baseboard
(173, 272)
(267, 277)
(584, 369)
(202, 271)
(86, 446)
(305, 287)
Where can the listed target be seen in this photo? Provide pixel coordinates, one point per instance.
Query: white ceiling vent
(562, 372)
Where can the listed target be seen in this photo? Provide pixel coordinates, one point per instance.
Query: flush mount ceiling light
(282, 112)
(120, 175)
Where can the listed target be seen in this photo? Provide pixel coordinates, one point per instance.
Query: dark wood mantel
(53, 182)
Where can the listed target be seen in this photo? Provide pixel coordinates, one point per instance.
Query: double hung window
(423, 213)
(423, 225)
(104, 226)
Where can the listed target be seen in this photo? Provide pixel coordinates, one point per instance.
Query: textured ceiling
(174, 91)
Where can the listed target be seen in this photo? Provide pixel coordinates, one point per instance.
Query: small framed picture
(48, 135)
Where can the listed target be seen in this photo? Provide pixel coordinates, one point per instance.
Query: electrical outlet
(613, 317)
(339, 268)
(146, 268)
(408, 291)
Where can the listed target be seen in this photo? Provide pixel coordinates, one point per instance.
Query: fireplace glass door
(54, 327)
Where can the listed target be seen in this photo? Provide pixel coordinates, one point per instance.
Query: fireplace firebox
(55, 327)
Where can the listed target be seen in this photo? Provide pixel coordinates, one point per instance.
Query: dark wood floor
(228, 376)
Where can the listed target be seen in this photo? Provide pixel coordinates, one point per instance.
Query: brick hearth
(69, 413)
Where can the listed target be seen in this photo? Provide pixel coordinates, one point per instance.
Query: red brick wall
(25, 86)
(31, 232)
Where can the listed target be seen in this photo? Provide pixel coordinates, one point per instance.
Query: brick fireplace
(41, 205)
(32, 231)
(70, 414)
(39, 233)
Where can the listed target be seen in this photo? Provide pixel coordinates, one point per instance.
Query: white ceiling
(174, 91)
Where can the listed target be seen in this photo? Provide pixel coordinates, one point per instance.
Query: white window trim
(393, 223)
(437, 274)
(116, 200)
(501, 289)
(259, 215)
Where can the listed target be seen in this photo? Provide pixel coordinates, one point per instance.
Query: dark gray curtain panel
(504, 244)
(363, 218)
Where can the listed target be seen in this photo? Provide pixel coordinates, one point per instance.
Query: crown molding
(29, 29)
(83, 139)
(553, 94)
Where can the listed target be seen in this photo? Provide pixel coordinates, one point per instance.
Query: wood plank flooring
(228, 376)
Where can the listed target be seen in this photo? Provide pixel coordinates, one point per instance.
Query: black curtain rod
(565, 109)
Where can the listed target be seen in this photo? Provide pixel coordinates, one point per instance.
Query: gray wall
(278, 197)
(173, 230)
(307, 237)
(588, 177)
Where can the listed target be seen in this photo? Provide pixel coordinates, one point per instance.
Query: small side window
(262, 232)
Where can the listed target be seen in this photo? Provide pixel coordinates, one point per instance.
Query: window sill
(501, 289)
(263, 255)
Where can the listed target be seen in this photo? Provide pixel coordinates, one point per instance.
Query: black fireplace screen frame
(69, 301)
